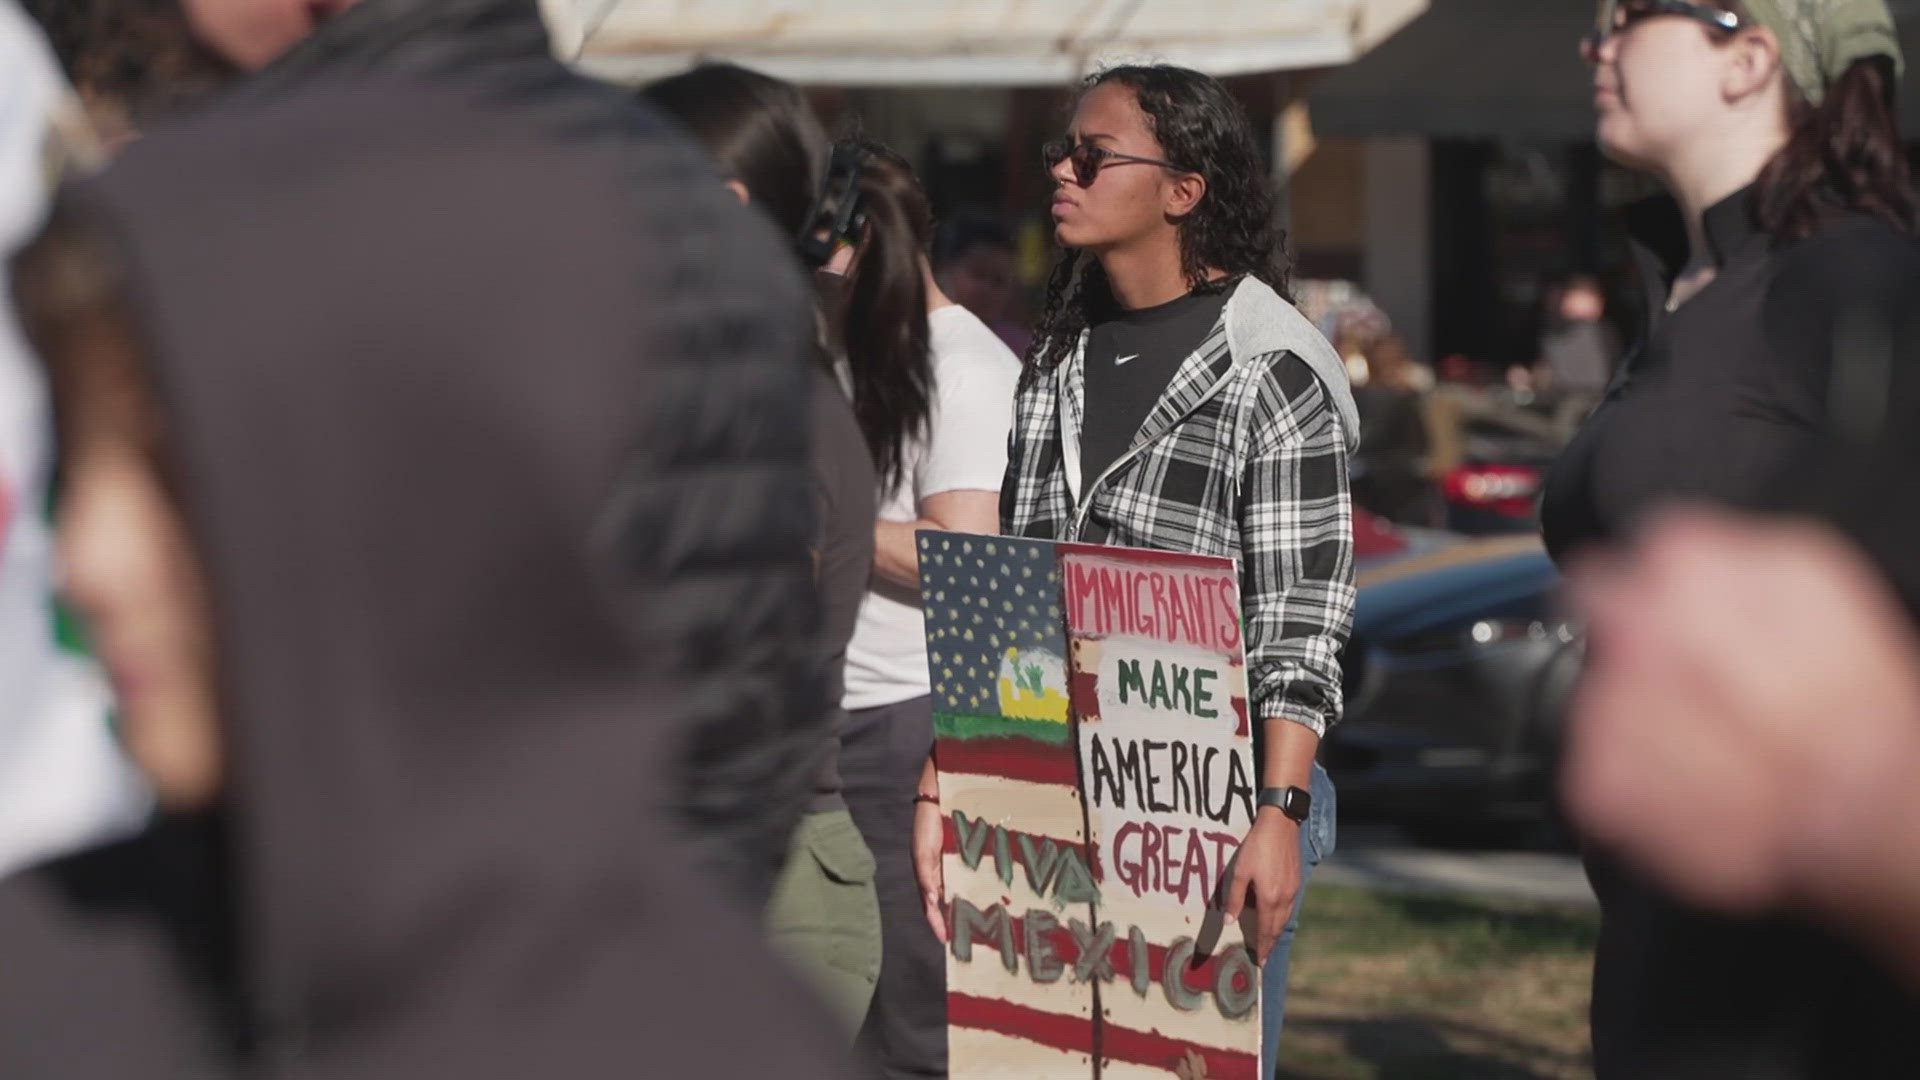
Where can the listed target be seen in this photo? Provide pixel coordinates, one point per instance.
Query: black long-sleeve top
(1744, 394)
(1791, 381)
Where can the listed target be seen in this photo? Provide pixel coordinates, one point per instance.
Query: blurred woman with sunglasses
(1781, 285)
(1202, 413)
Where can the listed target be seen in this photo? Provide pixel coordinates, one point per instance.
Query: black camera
(837, 216)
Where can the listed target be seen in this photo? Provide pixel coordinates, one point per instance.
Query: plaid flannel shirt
(1243, 457)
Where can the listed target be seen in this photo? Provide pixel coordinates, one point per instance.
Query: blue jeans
(1316, 843)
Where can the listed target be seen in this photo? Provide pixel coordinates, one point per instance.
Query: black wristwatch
(1294, 802)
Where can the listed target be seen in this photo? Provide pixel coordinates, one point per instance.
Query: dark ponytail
(1846, 151)
(885, 323)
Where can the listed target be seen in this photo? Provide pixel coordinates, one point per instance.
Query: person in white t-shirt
(936, 400)
(64, 782)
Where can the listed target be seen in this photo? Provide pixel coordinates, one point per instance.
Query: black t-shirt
(1131, 359)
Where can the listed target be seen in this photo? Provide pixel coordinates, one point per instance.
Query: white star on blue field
(984, 595)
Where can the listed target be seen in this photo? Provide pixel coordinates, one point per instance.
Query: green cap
(1820, 39)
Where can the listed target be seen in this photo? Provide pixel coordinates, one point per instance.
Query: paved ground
(1379, 856)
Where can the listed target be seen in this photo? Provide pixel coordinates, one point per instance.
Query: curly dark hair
(1200, 128)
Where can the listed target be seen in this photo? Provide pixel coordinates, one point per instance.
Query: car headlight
(1460, 638)
(1507, 631)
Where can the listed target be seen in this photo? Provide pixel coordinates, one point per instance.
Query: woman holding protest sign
(1202, 414)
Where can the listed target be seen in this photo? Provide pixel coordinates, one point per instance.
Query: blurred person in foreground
(131, 61)
(1175, 399)
(64, 784)
(724, 473)
(1779, 297)
(1696, 748)
(350, 383)
(772, 154)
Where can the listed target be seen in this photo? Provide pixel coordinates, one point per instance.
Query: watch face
(1298, 803)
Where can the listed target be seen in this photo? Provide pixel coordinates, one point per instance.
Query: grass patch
(1394, 986)
(949, 725)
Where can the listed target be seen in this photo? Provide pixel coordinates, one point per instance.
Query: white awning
(969, 42)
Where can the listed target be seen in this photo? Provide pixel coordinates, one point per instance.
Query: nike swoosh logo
(1124, 359)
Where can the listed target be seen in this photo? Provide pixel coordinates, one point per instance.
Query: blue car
(1457, 675)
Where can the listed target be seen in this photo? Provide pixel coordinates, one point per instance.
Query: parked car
(1457, 675)
(1493, 448)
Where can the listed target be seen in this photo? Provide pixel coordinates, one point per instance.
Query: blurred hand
(1267, 875)
(1751, 713)
(929, 843)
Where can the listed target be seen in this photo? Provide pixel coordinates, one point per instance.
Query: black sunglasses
(1617, 15)
(1088, 159)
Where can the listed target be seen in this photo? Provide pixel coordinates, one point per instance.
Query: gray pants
(881, 756)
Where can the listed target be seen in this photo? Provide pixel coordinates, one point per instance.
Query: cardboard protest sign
(1096, 767)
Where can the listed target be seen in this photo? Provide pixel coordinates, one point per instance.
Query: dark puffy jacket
(440, 386)
(717, 518)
